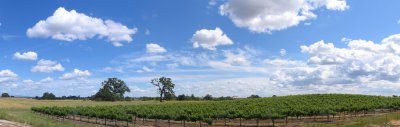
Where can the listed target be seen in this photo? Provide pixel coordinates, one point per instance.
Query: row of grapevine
(98, 112)
(261, 109)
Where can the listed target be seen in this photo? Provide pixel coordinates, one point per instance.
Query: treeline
(51, 96)
(192, 97)
(6, 95)
(113, 89)
(182, 97)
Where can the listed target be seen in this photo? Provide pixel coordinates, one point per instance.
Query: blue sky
(218, 47)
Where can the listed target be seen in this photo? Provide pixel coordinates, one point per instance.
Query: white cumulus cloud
(210, 39)
(71, 25)
(264, 16)
(28, 81)
(239, 58)
(144, 69)
(155, 48)
(7, 76)
(46, 80)
(47, 66)
(361, 61)
(282, 52)
(30, 55)
(339, 5)
(76, 74)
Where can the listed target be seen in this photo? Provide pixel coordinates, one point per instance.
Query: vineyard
(242, 112)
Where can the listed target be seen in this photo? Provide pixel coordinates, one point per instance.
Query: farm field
(18, 110)
(298, 110)
(199, 63)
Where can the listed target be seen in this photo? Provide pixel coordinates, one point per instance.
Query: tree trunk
(105, 121)
(184, 123)
(169, 122)
(161, 97)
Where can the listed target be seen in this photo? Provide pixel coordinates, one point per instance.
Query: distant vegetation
(112, 89)
(5, 95)
(48, 96)
(165, 88)
(253, 96)
(208, 97)
(183, 97)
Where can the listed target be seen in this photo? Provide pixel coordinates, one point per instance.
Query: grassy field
(371, 121)
(23, 103)
(18, 109)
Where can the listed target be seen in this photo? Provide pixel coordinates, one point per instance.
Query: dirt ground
(5, 123)
(395, 122)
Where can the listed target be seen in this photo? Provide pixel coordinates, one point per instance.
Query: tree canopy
(5, 95)
(208, 97)
(165, 87)
(113, 89)
(48, 96)
(253, 96)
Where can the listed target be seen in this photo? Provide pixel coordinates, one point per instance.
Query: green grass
(27, 117)
(379, 120)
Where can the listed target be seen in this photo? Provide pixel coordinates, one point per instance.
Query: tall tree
(165, 87)
(181, 97)
(48, 96)
(5, 95)
(113, 89)
(253, 96)
(208, 97)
